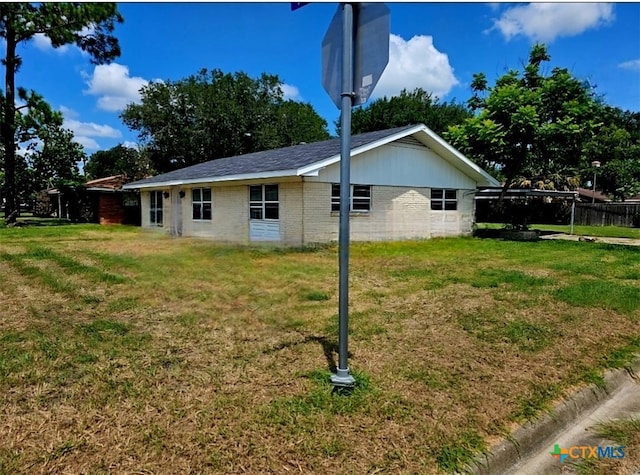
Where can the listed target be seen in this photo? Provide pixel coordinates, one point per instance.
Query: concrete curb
(534, 436)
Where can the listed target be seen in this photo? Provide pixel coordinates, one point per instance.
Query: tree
(617, 147)
(88, 25)
(212, 115)
(408, 108)
(32, 120)
(299, 122)
(34, 114)
(118, 160)
(53, 163)
(530, 130)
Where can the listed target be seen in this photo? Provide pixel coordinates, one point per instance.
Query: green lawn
(595, 231)
(127, 351)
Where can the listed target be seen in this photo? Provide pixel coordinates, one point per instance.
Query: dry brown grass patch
(214, 359)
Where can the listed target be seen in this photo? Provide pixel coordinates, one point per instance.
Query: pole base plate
(343, 379)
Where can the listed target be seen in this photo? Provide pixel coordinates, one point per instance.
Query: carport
(524, 194)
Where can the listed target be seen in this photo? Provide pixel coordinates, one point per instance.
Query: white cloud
(290, 92)
(68, 113)
(84, 132)
(415, 63)
(43, 43)
(545, 22)
(633, 65)
(114, 86)
(130, 144)
(87, 142)
(91, 129)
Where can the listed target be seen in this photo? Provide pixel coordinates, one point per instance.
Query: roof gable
(305, 159)
(107, 183)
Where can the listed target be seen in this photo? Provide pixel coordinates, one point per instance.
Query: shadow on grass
(329, 349)
(30, 222)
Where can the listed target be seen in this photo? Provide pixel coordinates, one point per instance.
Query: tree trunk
(10, 193)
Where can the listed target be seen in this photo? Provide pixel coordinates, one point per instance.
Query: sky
(435, 46)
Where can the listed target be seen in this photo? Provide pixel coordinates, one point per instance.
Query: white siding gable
(401, 163)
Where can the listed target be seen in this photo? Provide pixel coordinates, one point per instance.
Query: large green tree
(617, 147)
(34, 121)
(530, 129)
(212, 115)
(118, 160)
(417, 106)
(88, 25)
(53, 162)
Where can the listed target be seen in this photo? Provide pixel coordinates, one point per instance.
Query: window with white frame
(263, 202)
(444, 199)
(359, 198)
(201, 203)
(155, 208)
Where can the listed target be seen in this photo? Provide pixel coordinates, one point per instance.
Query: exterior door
(264, 213)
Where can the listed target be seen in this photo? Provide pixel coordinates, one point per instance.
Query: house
(97, 201)
(587, 195)
(407, 182)
(111, 205)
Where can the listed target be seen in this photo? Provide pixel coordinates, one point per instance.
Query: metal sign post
(343, 378)
(355, 52)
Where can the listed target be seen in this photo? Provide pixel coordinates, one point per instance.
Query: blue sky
(436, 46)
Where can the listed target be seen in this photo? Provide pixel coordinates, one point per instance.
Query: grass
(620, 297)
(128, 351)
(624, 435)
(579, 230)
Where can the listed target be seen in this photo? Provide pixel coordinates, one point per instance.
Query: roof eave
(212, 179)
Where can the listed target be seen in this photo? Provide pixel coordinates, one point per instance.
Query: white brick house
(407, 183)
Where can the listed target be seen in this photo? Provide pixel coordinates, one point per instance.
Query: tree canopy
(617, 147)
(53, 162)
(417, 106)
(118, 160)
(48, 154)
(90, 26)
(530, 129)
(212, 115)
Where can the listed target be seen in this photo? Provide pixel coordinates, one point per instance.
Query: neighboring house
(589, 195)
(97, 201)
(407, 182)
(111, 205)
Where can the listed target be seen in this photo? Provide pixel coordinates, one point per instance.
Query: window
(263, 202)
(359, 198)
(155, 208)
(443, 200)
(201, 203)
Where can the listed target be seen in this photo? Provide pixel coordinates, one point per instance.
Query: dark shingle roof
(288, 158)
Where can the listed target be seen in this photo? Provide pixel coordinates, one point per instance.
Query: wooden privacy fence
(608, 214)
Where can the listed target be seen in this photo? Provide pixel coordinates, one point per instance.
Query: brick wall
(397, 213)
(291, 218)
(306, 216)
(110, 209)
